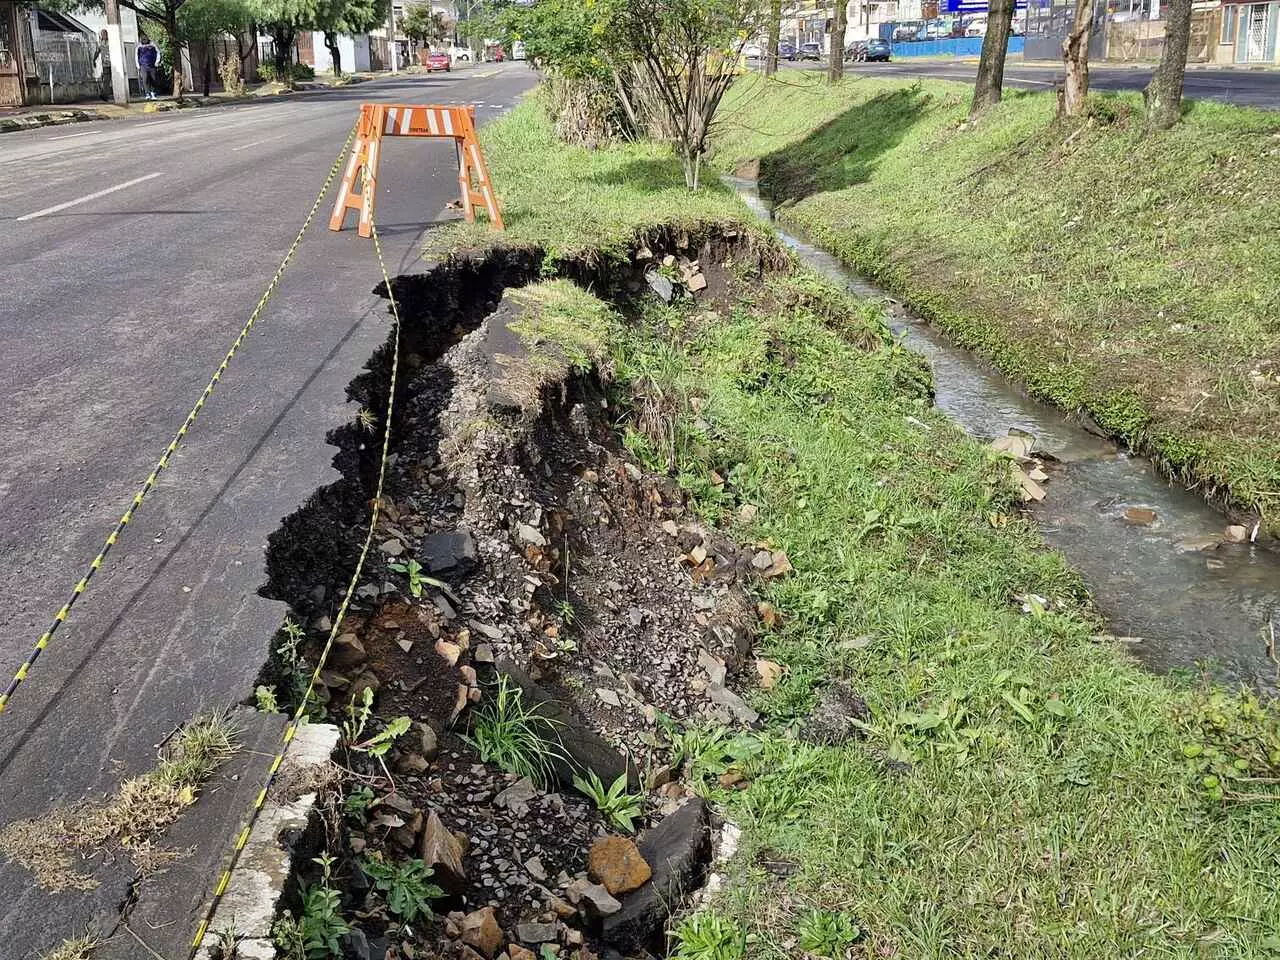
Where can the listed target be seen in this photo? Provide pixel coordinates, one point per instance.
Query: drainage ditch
(529, 582)
(1186, 587)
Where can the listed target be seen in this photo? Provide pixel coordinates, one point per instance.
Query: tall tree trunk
(208, 66)
(281, 53)
(775, 34)
(1075, 61)
(331, 41)
(835, 60)
(175, 47)
(1163, 95)
(989, 86)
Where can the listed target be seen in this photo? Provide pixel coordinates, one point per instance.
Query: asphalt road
(131, 253)
(1259, 88)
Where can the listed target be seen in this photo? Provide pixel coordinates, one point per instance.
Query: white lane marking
(153, 123)
(257, 142)
(72, 136)
(93, 196)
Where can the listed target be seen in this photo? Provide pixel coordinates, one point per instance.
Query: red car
(437, 61)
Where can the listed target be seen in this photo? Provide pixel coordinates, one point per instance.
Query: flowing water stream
(1181, 597)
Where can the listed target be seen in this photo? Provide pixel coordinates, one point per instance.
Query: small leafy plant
(266, 697)
(515, 737)
(707, 935)
(619, 807)
(826, 933)
(407, 886)
(417, 578)
(357, 803)
(318, 934)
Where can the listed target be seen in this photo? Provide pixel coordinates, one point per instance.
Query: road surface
(131, 253)
(1259, 88)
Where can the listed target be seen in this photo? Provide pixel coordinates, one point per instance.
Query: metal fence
(63, 60)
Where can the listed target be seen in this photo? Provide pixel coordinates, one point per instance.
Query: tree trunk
(835, 59)
(775, 35)
(208, 67)
(1163, 95)
(331, 41)
(989, 86)
(282, 49)
(175, 46)
(1075, 61)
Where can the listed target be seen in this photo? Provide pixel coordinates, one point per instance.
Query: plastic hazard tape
(291, 729)
(149, 484)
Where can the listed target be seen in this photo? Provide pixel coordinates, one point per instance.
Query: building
(46, 57)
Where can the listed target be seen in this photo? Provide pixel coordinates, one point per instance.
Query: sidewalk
(44, 115)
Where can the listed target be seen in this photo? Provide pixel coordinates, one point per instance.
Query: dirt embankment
(541, 610)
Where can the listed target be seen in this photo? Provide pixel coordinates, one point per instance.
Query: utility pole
(395, 53)
(115, 54)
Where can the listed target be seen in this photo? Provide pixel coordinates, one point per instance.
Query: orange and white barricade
(377, 120)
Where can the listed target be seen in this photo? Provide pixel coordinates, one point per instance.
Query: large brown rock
(480, 930)
(442, 852)
(616, 863)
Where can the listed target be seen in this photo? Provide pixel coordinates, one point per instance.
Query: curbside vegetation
(1123, 275)
(1016, 784)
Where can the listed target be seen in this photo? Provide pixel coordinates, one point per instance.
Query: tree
(424, 25)
(1075, 61)
(333, 17)
(680, 57)
(775, 38)
(989, 85)
(1163, 94)
(203, 21)
(282, 19)
(835, 56)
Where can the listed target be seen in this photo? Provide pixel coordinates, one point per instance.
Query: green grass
(1049, 807)
(570, 200)
(1126, 274)
(1022, 791)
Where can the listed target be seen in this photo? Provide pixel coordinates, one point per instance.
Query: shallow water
(1179, 606)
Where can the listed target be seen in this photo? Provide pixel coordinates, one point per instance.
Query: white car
(460, 53)
(977, 27)
(753, 51)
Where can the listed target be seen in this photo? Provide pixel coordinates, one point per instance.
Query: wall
(959, 47)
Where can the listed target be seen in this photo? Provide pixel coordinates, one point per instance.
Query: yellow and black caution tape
(297, 719)
(148, 484)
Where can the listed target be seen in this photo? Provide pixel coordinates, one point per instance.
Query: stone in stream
(1140, 516)
(1236, 533)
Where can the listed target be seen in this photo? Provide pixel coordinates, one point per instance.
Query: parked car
(460, 53)
(876, 50)
(786, 50)
(977, 27)
(810, 51)
(437, 60)
(753, 51)
(855, 50)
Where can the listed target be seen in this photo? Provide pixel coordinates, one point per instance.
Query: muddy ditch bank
(539, 621)
(1186, 586)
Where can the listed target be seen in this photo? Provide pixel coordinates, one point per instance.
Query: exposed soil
(553, 559)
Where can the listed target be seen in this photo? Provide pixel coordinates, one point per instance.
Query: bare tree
(1163, 95)
(989, 85)
(679, 57)
(1075, 62)
(775, 37)
(835, 60)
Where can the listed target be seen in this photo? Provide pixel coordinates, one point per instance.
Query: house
(46, 57)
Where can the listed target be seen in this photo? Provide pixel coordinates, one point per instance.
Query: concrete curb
(248, 907)
(53, 118)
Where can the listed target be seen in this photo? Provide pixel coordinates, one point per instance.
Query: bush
(229, 73)
(296, 71)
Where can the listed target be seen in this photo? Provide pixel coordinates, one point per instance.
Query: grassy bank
(1016, 788)
(1127, 275)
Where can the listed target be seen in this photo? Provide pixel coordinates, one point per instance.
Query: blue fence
(958, 47)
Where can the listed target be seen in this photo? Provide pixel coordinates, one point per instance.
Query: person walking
(148, 59)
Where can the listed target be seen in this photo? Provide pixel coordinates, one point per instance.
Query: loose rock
(442, 852)
(480, 930)
(616, 862)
